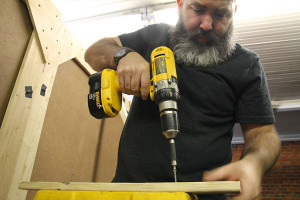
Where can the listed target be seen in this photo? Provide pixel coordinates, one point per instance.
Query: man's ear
(235, 8)
(179, 4)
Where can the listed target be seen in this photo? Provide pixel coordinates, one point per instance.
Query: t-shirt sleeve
(254, 104)
(138, 40)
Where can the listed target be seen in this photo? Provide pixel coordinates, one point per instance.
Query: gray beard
(191, 52)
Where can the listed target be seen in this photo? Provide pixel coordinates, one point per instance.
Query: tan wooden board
(192, 187)
(123, 113)
(57, 43)
(23, 121)
(85, 66)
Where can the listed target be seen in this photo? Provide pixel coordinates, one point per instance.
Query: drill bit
(174, 172)
(173, 157)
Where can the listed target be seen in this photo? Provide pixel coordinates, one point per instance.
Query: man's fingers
(134, 75)
(121, 83)
(135, 86)
(127, 84)
(218, 174)
(145, 84)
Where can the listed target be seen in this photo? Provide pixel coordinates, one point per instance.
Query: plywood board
(70, 134)
(106, 160)
(15, 33)
(191, 187)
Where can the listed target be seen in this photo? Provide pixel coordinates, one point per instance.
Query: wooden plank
(192, 187)
(123, 114)
(127, 104)
(23, 121)
(57, 43)
(84, 65)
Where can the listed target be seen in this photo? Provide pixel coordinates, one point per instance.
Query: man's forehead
(210, 1)
(222, 4)
(216, 0)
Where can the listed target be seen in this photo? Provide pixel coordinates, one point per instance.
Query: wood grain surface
(192, 187)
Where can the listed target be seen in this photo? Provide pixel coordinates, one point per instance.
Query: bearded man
(220, 84)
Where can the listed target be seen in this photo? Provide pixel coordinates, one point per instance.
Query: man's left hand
(244, 171)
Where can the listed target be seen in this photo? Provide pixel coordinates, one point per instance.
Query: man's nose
(206, 23)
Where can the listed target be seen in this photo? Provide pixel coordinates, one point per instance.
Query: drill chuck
(166, 95)
(169, 123)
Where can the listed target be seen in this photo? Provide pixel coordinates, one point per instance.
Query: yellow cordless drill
(105, 97)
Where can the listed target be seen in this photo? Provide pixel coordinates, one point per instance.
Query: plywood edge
(192, 187)
(84, 65)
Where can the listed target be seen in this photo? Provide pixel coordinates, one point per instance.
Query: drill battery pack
(100, 195)
(105, 96)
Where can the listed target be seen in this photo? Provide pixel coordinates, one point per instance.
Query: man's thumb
(218, 174)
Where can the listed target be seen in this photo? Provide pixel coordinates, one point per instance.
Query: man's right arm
(100, 55)
(133, 70)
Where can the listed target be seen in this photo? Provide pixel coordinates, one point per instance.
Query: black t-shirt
(212, 100)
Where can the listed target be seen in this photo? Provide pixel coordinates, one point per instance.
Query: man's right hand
(133, 70)
(134, 75)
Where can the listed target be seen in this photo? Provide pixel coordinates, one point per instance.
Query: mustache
(212, 38)
(201, 32)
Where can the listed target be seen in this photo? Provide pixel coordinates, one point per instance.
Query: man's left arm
(261, 150)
